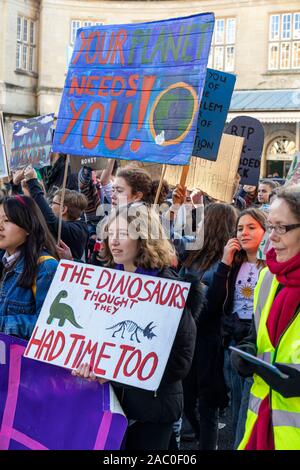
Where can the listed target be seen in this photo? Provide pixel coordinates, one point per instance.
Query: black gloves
(244, 367)
(289, 387)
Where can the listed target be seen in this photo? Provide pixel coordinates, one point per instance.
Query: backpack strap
(40, 260)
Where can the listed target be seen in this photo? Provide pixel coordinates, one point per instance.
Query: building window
(76, 24)
(284, 41)
(222, 52)
(26, 44)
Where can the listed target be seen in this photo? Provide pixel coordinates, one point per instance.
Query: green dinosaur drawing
(62, 311)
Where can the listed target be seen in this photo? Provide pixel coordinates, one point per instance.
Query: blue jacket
(19, 307)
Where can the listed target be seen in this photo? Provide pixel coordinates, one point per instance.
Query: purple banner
(44, 407)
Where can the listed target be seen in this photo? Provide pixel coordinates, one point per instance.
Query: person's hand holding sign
(84, 372)
(30, 173)
(179, 195)
(63, 251)
(197, 197)
(178, 198)
(18, 176)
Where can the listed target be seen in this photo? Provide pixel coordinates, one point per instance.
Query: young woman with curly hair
(136, 243)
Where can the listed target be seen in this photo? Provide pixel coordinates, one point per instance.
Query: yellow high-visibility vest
(285, 411)
(40, 260)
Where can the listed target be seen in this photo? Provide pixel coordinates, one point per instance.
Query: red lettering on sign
(91, 144)
(125, 348)
(113, 144)
(101, 355)
(52, 354)
(75, 116)
(149, 356)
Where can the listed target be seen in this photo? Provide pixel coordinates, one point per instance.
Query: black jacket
(73, 233)
(166, 404)
(206, 377)
(220, 296)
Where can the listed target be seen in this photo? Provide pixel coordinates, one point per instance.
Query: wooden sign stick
(62, 200)
(184, 174)
(160, 184)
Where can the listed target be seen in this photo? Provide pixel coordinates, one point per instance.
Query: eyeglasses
(282, 229)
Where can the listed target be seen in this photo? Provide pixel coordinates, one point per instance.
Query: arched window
(280, 154)
(282, 146)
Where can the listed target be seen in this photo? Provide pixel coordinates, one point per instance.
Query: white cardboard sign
(123, 324)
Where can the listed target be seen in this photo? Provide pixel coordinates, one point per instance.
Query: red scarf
(282, 311)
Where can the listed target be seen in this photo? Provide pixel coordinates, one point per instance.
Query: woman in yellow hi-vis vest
(273, 419)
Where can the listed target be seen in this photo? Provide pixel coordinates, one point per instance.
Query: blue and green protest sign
(133, 91)
(213, 111)
(32, 142)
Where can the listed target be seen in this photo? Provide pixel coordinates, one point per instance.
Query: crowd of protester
(235, 299)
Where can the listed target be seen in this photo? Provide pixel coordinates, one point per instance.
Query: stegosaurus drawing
(133, 329)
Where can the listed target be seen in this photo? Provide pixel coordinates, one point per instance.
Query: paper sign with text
(253, 132)
(213, 111)
(32, 142)
(3, 160)
(95, 163)
(123, 324)
(217, 179)
(133, 90)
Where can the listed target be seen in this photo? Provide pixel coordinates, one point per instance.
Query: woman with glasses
(230, 299)
(273, 420)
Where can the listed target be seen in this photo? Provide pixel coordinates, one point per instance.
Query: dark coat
(206, 377)
(73, 233)
(220, 296)
(166, 404)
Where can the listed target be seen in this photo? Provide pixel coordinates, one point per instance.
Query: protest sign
(3, 160)
(123, 324)
(293, 176)
(133, 91)
(213, 111)
(265, 245)
(96, 163)
(32, 142)
(217, 179)
(253, 132)
(44, 407)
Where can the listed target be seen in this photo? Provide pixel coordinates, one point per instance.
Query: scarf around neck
(287, 300)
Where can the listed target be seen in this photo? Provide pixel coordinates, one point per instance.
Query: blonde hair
(154, 250)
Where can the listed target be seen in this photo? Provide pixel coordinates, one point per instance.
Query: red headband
(21, 200)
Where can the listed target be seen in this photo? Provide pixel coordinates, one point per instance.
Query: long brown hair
(25, 213)
(219, 226)
(139, 180)
(154, 250)
(260, 217)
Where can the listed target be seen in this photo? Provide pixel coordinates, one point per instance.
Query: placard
(32, 142)
(3, 156)
(214, 106)
(217, 179)
(253, 132)
(123, 324)
(133, 90)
